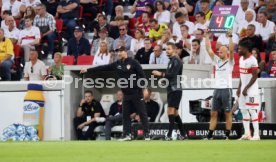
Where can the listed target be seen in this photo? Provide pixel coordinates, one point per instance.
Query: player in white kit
(222, 97)
(248, 90)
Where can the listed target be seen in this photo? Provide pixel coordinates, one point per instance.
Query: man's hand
(82, 102)
(238, 93)
(83, 71)
(244, 92)
(81, 126)
(156, 73)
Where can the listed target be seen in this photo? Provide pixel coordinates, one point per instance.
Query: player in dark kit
(174, 89)
(127, 68)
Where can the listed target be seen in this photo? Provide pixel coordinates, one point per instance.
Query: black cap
(121, 48)
(78, 28)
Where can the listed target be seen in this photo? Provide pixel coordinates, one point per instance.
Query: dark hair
(178, 14)
(263, 12)
(201, 14)
(32, 14)
(184, 26)
(148, 89)
(102, 16)
(246, 43)
(171, 44)
(258, 54)
(151, 7)
(89, 91)
(205, 1)
(162, 3)
(252, 26)
(7, 12)
(147, 13)
(153, 20)
(196, 40)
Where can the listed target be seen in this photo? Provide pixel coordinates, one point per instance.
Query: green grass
(140, 151)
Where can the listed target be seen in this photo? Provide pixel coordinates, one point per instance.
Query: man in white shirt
(11, 32)
(222, 98)
(240, 17)
(29, 37)
(249, 19)
(14, 6)
(35, 69)
(266, 27)
(158, 56)
(202, 23)
(180, 20)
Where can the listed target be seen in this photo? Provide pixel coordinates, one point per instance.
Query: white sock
(246, 122)
(255, 122)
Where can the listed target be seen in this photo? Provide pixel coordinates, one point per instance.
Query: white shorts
(249, 102)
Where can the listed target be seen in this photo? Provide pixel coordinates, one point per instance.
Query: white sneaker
(126, 138)
(245, 137)
(255, 138)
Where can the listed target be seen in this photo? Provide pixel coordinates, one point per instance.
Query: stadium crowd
(37, 36)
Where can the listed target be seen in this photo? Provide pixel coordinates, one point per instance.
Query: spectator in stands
(158, 56)
(266, 26)
(199, 35)
(143, 54)
(6, 53)
(51, 7)
(137, 42)
(103, 37)
(198, 7)
(185, 37)
(151, 106)
(4, 23)
(35, 69)
(78, 45)
(182, 53)
(199, 54)
(223, 40)
(156, 30)
(244, 6)
(145, 25)
(14, 6)
(270, 10)
(204, 5)
(119, 11)
(11, 32)
(29, 12)
(271, 44)
(249, 15)
(255, 39)
(219, 3)
(67, 10)
(47, 26)
(261, 68)
(30, 3)
(100, 23)
(251, 3)
(123, 36)
(174, 6)
(271, 68)
(139, 6)
(88, 114)
(57, 70)
(103, 57)
(115, 116)
(161, 15)
(180, 20)
(114, 31)
(167, 37)
(29, 37)
(201, 22)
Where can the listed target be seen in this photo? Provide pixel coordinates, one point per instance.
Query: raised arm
(208, 46)
(231, 45)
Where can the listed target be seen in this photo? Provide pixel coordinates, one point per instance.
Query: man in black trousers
(174, 90)
(128, 69)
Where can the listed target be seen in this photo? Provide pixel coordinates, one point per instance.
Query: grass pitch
(140, 151)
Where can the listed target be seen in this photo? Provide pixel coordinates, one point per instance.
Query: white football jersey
(223, 73)
(247, 65)
(29, 35)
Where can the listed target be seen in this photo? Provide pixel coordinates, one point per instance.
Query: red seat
(236, 71)
(262, 55)
(85, 60)
(237, 58)
(213, 45)
(131, 26)
(68, 60)
(16, 50)
(192, 19)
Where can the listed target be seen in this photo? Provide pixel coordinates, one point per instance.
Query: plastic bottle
(34, 108)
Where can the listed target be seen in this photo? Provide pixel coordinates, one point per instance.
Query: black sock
(171, 125)
(227, 133)
(210, 134)
(180, 125)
